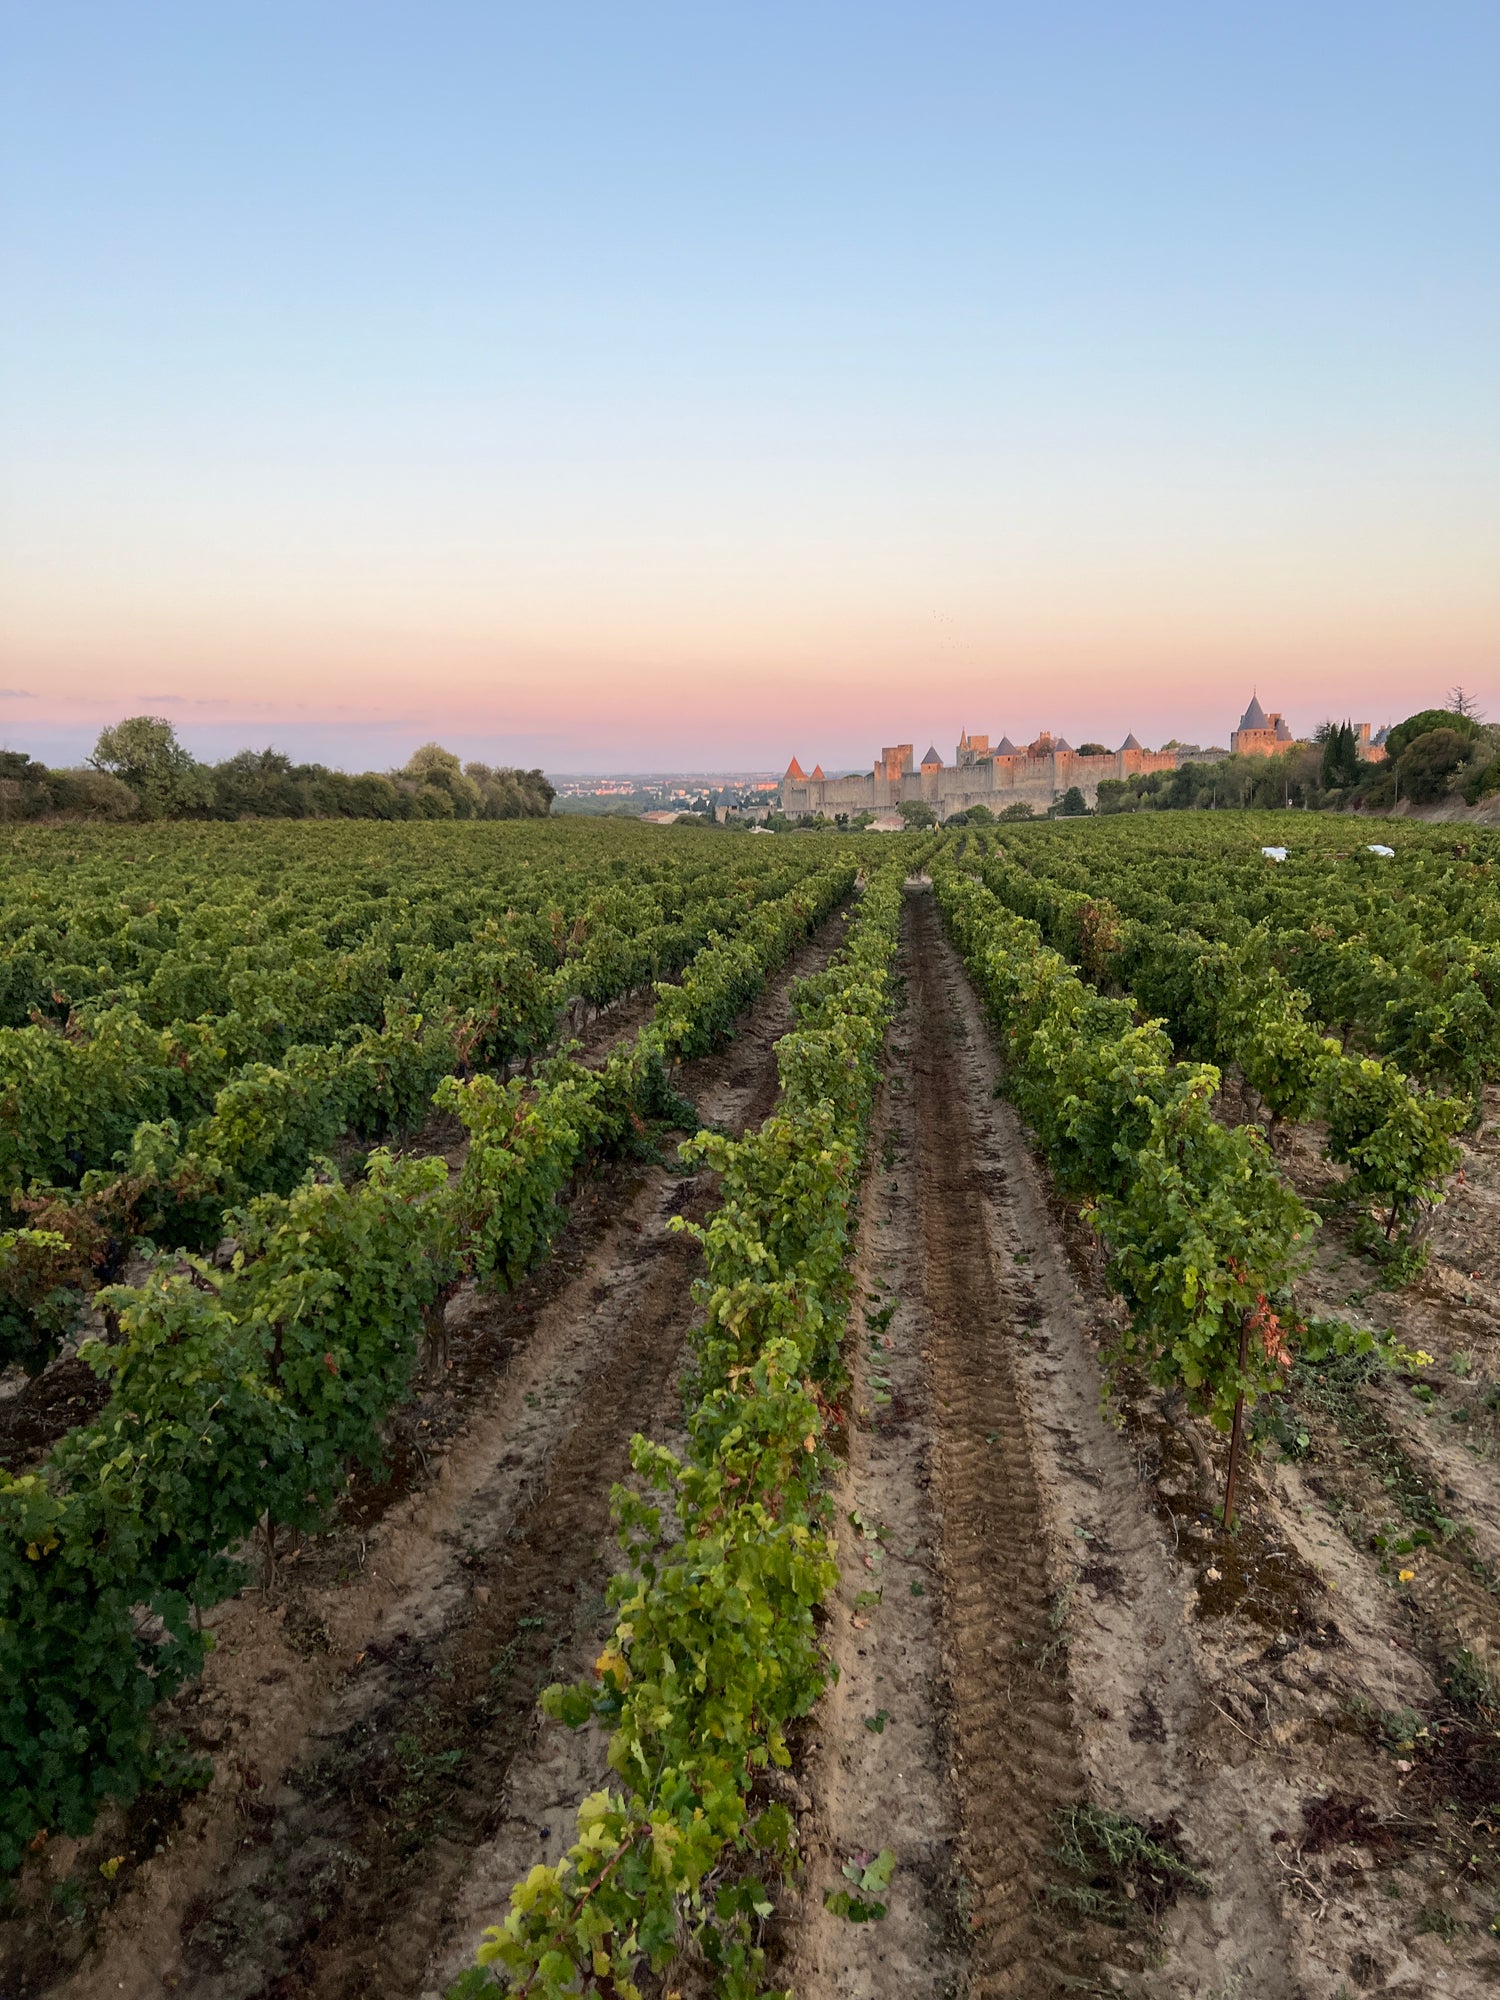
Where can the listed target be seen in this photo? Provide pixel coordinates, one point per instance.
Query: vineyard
(595, 1409)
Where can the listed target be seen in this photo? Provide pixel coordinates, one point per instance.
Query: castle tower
(1259, 734)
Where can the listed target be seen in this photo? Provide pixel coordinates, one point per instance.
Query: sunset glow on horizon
(658, 391)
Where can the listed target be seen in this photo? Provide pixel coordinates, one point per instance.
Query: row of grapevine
(715, 1650)
(1399, 956)
(168, 921)
(240, 1397)
(74, 1092)
(1202, 1234)
(1228, 1005)
(172, 1180)
(1203, 1239)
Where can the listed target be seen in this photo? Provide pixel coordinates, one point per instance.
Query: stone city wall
(1037, 776)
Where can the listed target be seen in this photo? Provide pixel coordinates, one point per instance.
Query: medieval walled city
(1038, 774)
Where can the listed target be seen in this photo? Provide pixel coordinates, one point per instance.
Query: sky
(636, 387)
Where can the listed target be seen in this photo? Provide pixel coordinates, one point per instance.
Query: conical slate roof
(1060, 745)
(795, 773)
(932, 756)
(1254, 716)
(1283, 734)
(1130, 742)
(1005, 748)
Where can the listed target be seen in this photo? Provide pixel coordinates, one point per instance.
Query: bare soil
(35, 1413)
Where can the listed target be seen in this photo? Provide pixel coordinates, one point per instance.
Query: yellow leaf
(111, 1868)
(1406, 1576)
(525, 1894)
(664, 1837)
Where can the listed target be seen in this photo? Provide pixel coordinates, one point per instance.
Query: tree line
(140, 770)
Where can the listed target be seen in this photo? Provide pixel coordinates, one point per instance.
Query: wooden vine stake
(1239, 1424)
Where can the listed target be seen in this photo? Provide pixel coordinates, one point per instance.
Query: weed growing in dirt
(871, 1876)
(1124, 1871)
(1332, 1389)
(1435, 1921)
(1398, 1263)
(1271, 1425)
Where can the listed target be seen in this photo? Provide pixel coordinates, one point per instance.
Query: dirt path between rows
(364, 1727)
(1015, 1637)
(1017, 1763)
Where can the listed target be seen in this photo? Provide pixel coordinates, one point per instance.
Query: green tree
(1429, 760)
(433, 766)
(1422, 722)
(144, 753)
(511, 794)
(258, 782)
(1072, 804)
(916, 812)
(1340, 757)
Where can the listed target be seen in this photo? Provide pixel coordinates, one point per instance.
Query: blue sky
(593, 385)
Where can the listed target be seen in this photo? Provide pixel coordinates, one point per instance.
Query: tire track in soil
(1016, 1761)
(336, 1880)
